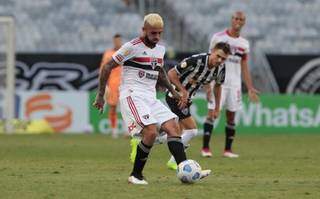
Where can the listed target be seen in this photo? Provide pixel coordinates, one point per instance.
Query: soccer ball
(189, 171)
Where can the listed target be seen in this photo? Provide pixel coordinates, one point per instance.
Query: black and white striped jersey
(194, 73)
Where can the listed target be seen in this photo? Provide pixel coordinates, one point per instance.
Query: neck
(210, 64)
(147, 42)
(233, 33)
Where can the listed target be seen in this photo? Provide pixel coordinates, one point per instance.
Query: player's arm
(164, 80)
(104, 74)
(208, 90)
(217, 99)
(174, 79)
(252, 92)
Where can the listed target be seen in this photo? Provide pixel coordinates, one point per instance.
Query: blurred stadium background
(50, 52)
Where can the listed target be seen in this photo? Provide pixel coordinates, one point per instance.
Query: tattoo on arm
(164, 80)
(104, 74)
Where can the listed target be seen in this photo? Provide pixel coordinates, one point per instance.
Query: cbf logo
(154, 63)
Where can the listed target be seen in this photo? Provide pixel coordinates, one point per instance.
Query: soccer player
(236, 64)
(142, 61)
(112, 88)
(188, 77)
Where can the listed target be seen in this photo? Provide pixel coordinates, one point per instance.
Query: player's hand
(99, 103)
(184, 99)
(253, 95)
(176, 95)
(215, 113)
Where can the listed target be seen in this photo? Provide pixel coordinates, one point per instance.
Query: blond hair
(154, 20)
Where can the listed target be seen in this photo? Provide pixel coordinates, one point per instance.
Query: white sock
(187, 135)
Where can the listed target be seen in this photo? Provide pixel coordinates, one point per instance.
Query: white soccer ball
(189, 171)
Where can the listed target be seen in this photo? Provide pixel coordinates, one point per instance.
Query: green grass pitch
(97, 166)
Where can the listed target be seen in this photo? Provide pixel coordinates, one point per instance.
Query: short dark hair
(117, 35)
(223, 46)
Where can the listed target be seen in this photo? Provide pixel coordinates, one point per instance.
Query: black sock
(230, 132)
(140, 160)
(176, 148)
(207, 130)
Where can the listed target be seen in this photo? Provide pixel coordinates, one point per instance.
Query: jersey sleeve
(221, 75)
(185, 65)
(125, 53)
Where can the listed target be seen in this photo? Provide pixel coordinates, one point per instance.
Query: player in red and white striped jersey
(142, 61)
(236, 65)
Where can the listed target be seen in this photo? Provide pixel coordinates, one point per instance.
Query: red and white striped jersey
(139, 63)
(239, 51)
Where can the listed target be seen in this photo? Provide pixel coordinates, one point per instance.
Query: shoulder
(194, 59)
(135, 41)
(219, 34)
(243, 42)
(199, 56)
(161, 48)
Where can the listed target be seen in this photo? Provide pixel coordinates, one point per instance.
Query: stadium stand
(290, 27)
(86, 25)
(70, 26)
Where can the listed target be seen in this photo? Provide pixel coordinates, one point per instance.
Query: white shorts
(139, 111)
(231, 99)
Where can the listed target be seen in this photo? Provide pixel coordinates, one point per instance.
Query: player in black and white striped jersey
(188, 77)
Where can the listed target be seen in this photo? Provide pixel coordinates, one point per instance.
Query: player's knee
(150, 133)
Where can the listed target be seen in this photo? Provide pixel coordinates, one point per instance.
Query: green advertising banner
(274, 114)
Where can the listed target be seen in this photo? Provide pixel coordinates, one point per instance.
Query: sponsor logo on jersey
(151, 76)
(146, 117)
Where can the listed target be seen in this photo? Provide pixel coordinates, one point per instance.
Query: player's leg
(175, 144)
(112, 100)
(233, 104)
(149, 134)
(209, 124)
(230, 135)
(207, 131)
(189, 130)
(133, 109)
(174, 141)
(113, 120)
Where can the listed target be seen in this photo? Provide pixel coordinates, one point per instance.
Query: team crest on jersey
(183, 64)
(146, 117)
(141, 73)
(154, 63)
(126, 53)
(233, 50)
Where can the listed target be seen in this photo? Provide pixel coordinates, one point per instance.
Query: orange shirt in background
(112, 92)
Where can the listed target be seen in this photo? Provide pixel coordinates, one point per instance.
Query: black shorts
(181, 113)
